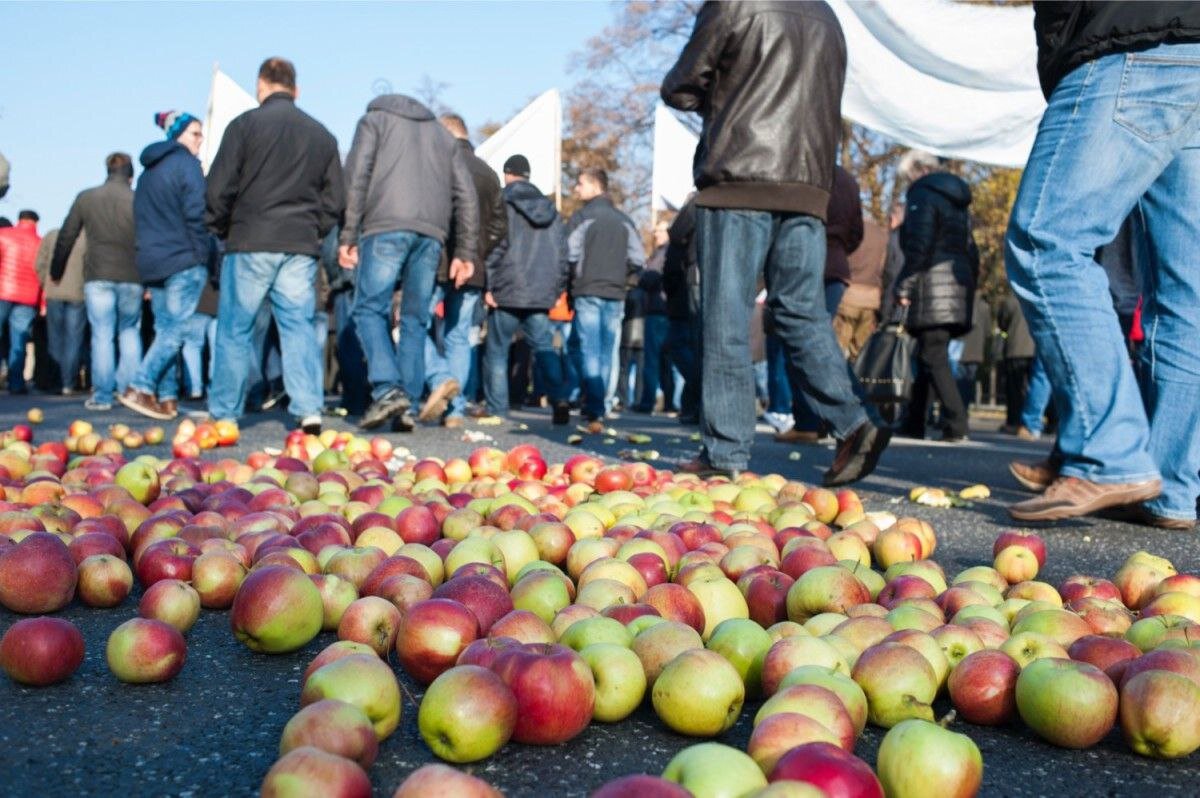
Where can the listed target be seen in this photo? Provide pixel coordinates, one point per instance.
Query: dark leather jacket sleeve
(917, 238)
(686, 86)
(466, 210)
(497, 228)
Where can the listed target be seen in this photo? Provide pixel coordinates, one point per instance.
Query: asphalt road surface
(214, 730)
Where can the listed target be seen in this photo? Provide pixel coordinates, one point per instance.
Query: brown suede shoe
(1071, 497)
(438, 401)
(794, 435)
(1033, 476)
(144, 403)
(1138, 514)
(857, 455)
(170, 407)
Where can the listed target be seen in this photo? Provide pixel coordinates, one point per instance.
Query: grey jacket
(604, 249)
(106, 212)
(70, 287)
(528, 269)
(405, 172)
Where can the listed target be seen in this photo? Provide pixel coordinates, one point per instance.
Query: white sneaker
(780, 422)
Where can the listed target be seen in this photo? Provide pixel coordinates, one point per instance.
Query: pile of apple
(533, 599)
(191, 438)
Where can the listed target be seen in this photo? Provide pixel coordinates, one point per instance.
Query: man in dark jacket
(1019, 352)
(172, 257)
(274, 191)
(1120, 130)
(767, 80)
(654, 322)
(406, 177)
(937, 284)
(447, 369)
(112, 289)
(526, 272)
(605, 250)
(681, 282)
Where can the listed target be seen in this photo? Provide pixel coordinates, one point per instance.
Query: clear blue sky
(84, 79)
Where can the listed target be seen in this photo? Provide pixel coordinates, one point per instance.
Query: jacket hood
(401, 105)
(157, 151)
(530, 203)
(950, 186)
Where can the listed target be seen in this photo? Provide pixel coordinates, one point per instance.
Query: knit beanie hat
(517, 165)
(174, 122)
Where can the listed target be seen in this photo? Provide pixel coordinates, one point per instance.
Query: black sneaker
(390, 404)
(403, 422)
(311, 425)
(562, 414)
(858, 454)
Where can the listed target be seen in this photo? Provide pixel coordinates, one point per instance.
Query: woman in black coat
(937, 285)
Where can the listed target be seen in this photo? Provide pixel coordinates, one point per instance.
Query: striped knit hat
(174, 122)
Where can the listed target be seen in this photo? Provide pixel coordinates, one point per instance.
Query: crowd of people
(755, 297)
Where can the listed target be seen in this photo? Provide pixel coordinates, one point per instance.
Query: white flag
(226, 101)
(671, 178)
(536, 133)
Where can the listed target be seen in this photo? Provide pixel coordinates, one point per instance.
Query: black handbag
(886, 366)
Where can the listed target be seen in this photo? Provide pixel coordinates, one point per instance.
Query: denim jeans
(1037, 397)
(174, 303)
(65, 324)
(412, 259)
(597, 330)
(19, 319)
(1120, 131)
(352, 367)
(195, 334)
(535, 326)
(734, 248)
(652, 360)
(802, 414)
(458, 313)
(681, 335)
(114, 311)
(570, 363)
(248, 279)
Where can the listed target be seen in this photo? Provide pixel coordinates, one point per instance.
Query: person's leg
(73, 338)
(20, 323)
(293, 303)
(539, 334)
(194, 333)
(381, 256)
(1033, 411)
(210, 335)
(1016, 384)
(245, 279)
(966, 385)
(1138, 110)
(173, 311)
(683, 356)
(417, 280)
(437, 364)
(167, 385)
(501, 326)
(129, 332)
(652, 357)
(935, 360)
(100, 298)
(595, 349)
(352, 368)
(569, 362)
(574, 355)
(56, 339)
(613, 316)
(459, 308)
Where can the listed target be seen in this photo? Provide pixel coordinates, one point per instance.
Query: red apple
(319, 772)
(144, 650)
(1016, 537)
(104, 580)
(334, 727)
(432, 636)
(37, 575)
(834, 771)
(371, 620)
(487, 600)
(443, 781)
(554, 689)
(983, 687)
(41, 651)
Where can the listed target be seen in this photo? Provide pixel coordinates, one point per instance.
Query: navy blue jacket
(168, 213)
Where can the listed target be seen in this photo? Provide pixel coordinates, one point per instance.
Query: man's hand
(489, 300)
(347, 256)
(904, 301)
(461, 271)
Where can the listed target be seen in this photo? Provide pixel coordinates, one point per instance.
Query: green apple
(1160, 714)
(918, 759)
(362, 680)
(620, 680)
(467, 714)
(1067, 703)
(899, 684)
(720, 599)
(599, 629)
(745, 644)
(846, 689)
(699, 693)
(712, 770)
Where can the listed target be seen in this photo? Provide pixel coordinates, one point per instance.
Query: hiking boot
(392, 403)
(1034, 476)
(562, 414)
(1139, 514)
(1071, 497)
(143, 403)
(857, 455)
(438, 401)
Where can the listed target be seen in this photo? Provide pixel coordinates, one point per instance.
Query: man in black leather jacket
(766, 78)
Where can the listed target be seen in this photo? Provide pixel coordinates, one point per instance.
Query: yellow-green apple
(1062, 626)
(1137, 580)
(336, 595)
(1180, 583)
(554, 689)
(334, 651)
(918, 758)
(928, 647)
(619, 678)
(363, 680)
(553, 540)
(957, 642)
(1016, 564)
(544, 593)
(1173, 603)
(355, 565)
(1149, 633)
(896, 545)
(277, 610)
(712, 770)
(830, 588)
(983, 687)
(829, 768)
(37, 575)
(104, 580)
(907, 616)
(720, 599)
(140, 479)
(568, 615)
(335, 727)
(41, 651)
(745, 644)
(370, 620)
(467, 714)
(981, 573)
(144, 650)
(793, 652)
(171, 601)
(846, 689)
(1069, 704)
(432, 635)
(928, 570)
(661, 643)
(1160, 714)
(599, 629)
(1017, 537)
(861, 632)
(1027, 647)
(899, 684)
(216, 576)
(311, 771)
(443, 781)
(819, 703)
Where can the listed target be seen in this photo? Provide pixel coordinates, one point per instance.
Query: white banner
(671, 178)
(536, 133)
(226, 101)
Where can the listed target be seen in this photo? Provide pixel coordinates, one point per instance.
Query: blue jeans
(114, 311)
(195, 334)
(597, 330)
(681, 334)
(458, 311)
(412, 259)
(173, 303)
(20, 321)
(65, 323)
(569, 361)
(652, 360)
(734, 248)
(1120, 132)
(352, 368)
(802, 414)
(1037, 396)
(248, 279)
(535, 325)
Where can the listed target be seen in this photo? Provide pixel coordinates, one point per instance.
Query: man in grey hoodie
(405, 178)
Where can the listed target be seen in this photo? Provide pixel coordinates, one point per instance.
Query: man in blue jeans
(767, 80)
(605, 252)
(274, 191)
(172, 257)
(1122, 129)
(406, 177)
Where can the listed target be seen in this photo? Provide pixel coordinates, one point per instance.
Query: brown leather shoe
(858, 454)
(1071, 497)
(1033, 476)
(143, 403)
(453, 422)
(1139, 514)
(170, 406)
(438, 401)
(798, 436)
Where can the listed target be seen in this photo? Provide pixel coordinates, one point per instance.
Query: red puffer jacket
(18, 252)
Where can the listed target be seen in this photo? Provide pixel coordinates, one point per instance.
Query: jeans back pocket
(1159, 95)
